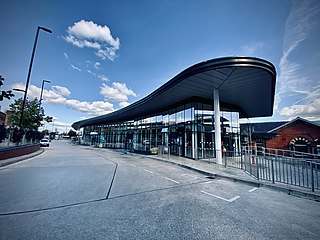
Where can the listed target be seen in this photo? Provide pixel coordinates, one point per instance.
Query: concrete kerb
(20, 158)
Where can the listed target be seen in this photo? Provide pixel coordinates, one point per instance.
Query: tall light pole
(43, 81)
(18, 90)
(29, 72)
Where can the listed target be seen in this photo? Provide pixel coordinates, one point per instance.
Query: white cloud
(93, 108)
(92, 73)
(119, 92)
(293, 81)
(310, 111)
(251, 49)
(122, 87)
(97, 65)
(124, 104)
(89, 34)
(103, 78)
(58, 96)
(63, 91)
(66, 55)
(76, 68)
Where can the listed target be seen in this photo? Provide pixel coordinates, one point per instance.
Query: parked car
(44, 142)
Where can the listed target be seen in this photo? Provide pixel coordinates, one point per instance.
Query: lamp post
(18, 90)
(29, 72)
(43, 81)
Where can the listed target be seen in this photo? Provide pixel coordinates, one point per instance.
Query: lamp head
(45, 29)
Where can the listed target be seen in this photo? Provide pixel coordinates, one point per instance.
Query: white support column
(217, 132)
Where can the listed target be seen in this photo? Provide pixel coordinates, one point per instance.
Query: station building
(181, 117)
(298, 135)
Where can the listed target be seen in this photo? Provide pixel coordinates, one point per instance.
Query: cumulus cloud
(57, 95)
(124, 104)
(118, 92)
(93, 108)
(310, 111)
(91, 35)
(63, 91)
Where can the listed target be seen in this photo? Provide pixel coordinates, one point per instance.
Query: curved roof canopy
(245, 84)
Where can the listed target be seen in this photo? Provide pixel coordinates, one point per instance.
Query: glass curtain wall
(187, 130)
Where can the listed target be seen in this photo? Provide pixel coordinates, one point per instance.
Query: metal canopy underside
(246, 85)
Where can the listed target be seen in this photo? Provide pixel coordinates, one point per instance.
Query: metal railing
(282, 166)
(274, 165)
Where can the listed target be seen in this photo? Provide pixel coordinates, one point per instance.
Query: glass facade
(186, 130)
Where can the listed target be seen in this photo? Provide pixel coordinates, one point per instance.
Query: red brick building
(297, 135)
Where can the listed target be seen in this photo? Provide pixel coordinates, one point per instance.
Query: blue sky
(104, 55)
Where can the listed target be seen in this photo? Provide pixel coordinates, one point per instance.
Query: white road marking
(191, 176)
(133, 165)
(169, 179)
(253, 189)
(221, 198)
(208, 182)
(147, 171)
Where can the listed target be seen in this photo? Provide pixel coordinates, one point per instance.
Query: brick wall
(18, 151)
(296, 129)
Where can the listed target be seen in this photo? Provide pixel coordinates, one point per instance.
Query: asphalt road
(75, 192)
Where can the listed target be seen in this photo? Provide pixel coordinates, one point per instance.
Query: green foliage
(32, 116)
(52, 135)
(3, 132)
(45, 132)
(48, 119)
(5, 94)
(32, 135)
(17, 135)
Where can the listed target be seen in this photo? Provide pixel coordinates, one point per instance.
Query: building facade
(181, 116)
(298, 135)
(186, 130)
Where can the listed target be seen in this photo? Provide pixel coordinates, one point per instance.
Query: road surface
(76, 192)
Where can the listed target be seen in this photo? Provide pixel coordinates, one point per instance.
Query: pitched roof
(272, 127)
(293, 121)
(261, 127)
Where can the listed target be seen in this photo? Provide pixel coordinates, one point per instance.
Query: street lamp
(43, 81)
(18, 90)
(29, 72)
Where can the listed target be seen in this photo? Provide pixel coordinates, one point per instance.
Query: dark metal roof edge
(197, 68)
(293, 121)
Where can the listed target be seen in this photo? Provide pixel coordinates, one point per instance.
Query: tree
(48, 119)
(17, 135)
(5, 94)
(32, 135)
(3, 132)
(33, 114)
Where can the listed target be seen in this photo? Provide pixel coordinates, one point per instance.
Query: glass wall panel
(187, 131)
